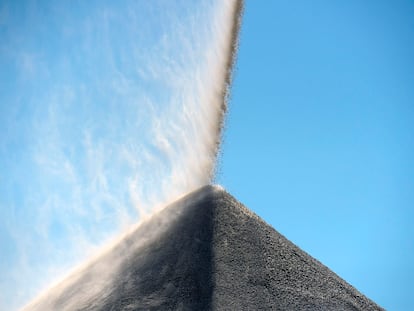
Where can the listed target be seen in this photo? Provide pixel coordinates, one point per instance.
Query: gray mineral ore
(204, 252)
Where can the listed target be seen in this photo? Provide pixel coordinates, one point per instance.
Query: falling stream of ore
(176, 112)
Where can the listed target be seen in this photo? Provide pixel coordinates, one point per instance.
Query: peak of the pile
(199, 194)
(209, 189)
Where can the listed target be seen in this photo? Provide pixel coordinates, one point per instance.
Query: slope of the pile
(204, 252)
(256, 268)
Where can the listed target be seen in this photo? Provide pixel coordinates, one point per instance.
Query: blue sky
(320, 135)
(318, 140)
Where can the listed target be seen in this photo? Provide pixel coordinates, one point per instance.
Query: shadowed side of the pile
(165, 264)
(173, 270)
(205, 252)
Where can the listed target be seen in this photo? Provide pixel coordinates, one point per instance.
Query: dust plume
(177, 115)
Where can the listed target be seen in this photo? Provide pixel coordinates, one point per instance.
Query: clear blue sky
(319, 138)
(320, 135)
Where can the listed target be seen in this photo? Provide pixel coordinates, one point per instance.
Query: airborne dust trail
(197, 134)
(186, 137)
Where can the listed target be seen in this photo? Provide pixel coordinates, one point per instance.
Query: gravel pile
(204, 252)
